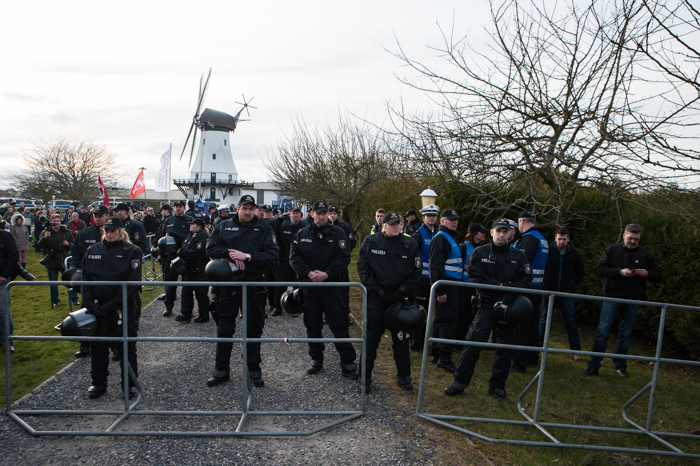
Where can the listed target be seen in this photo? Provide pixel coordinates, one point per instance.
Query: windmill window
(230, 177)
(213, 156)
(224, 141)
(196, 176)
(212, 194)
(204, 141)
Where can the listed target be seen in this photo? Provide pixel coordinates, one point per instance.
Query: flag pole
(145, 193)
(170, 170)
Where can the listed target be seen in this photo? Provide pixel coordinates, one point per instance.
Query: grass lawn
(36, 361)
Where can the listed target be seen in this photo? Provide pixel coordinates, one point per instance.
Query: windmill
(213, 164)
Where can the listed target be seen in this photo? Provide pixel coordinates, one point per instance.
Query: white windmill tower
(213, 174)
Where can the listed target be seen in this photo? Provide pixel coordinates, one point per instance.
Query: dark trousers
(375, 331)
(529, 335)
(451, 320)
(110, 327)
(229, 302)
(284, 274)
(345, 291)
(423, 298)
(200, 292)
(481, 327)
(169, 276)
(329, 301)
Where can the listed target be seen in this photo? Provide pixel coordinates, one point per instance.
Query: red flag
(103, 191)
(139, 186)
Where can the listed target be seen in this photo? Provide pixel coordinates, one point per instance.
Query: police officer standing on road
(413, 223)
(493, 264)
(447, 263)
(86, 238)
(193, 211)
(251, 244)
(319, 253)
(536, 249)
(137, 236)
(194, 253)
(113, 259)
(178, 227)
(285, 234)
(352, 242)
(390, 267)
(423, 236)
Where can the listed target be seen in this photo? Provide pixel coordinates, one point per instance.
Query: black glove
(106, 310)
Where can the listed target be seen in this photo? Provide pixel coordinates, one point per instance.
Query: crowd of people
(398, 263)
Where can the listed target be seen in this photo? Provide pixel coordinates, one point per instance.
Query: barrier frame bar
(129, 409)
(538, 380)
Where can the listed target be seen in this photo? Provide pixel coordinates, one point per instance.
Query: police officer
(113, 259)
(475, 236)
(413, 223)
(390, 267)
(251, 244)
(352, 242)
(319, 253)
(285, 273)
(88, 237)
(223, 214)
(536, 249)
(376, 226)
(493, 264)
(177, 227)
(194, 253)
(137, 235)
(423, 236)
(193, 212)
(447, 263)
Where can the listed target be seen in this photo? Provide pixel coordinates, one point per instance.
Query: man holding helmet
(493, 264)
(193, 252)
(389, 266)
(177, 227)
(250, 243)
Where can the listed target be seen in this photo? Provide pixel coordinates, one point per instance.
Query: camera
(47, 258)
(22, 272)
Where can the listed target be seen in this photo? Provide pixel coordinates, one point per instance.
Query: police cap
(246, 199)
(392, 217)
(179, 203)
(113, 223)
(450, 214)
(320, 206)
(121, 206)
(100, 210)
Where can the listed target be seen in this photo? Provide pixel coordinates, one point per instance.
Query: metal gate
(130, 406)
(538, 381)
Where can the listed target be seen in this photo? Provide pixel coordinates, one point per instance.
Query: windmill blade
(246, 105)
(187, 140)
(194, 139)
(203, 92)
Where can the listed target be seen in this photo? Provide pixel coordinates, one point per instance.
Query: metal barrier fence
(129, 409)
(538, 379)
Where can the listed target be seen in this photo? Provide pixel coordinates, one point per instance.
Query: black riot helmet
(155, 252)
(292, 301)
(178, 266)
(513, 314)
(78, 324)
(72, 275)
(409, 318)
(168, 244)
(222, 270)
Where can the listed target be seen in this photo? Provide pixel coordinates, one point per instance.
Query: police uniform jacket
(110, 261)
(389, 263)
(9, 256)
(86, 238)
(150, 223)
(194, 213)
(413, 227)
(499, 266)
(617, 257)
(440, 249)
(324, 249)
(423, 236)
(352, 242)
(194, 251)
(255, 238)
(536, 249)
(175, 225)
(55, 243)
(285, 236)
(137, 234)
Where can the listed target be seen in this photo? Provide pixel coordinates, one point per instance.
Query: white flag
(163, 178)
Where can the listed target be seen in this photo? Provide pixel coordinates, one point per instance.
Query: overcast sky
(126, 74)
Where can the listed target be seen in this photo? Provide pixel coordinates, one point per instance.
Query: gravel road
(173, 376)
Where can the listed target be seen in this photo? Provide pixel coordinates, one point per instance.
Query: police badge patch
(527, 269)
(418, 262)
(341, 243)
(135, 264)
(274, 239)
(199, 245)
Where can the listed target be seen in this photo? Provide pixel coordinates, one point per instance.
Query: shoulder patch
(341, 243)
(274, 239)
(199, 245)
(418, 262)
(135, 263)
(527, 269)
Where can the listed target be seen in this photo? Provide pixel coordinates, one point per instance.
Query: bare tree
(65, 168)
(558, 103)
(339, 164)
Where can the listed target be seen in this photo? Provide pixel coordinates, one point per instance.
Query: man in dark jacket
(625, 267)
(319, 253)
(352, 242)
(413, 223)
(194, 253)
(9, 257)
(286, 232)
(177, 227)
(499, 265)
(56, 243)
(447, 263)
(250, 243)
(564, 271)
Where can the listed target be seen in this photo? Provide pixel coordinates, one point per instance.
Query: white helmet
(430, 209)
